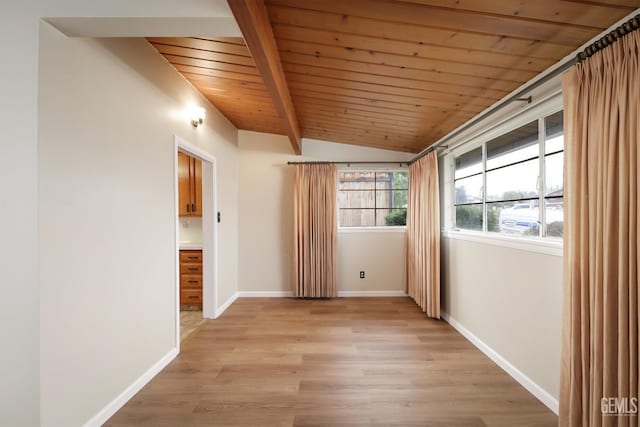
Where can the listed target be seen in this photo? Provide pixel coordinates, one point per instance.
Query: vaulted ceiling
(383, 73)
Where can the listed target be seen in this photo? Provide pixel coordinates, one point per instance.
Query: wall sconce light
(197, 116)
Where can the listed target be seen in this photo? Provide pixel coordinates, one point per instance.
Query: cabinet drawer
(190, 281)
(190, 297)
(191, 256)
(188, 268)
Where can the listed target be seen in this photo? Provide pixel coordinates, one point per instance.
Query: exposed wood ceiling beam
(253, 20)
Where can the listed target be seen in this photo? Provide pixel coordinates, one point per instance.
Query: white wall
(108, 111)
(265, 234)
(190, 230)
(380, 254)
(511, 300)
(19, 304)
(19, 31)
(266, 217)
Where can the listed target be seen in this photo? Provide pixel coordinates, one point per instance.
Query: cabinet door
(184, 185)
(197, 188)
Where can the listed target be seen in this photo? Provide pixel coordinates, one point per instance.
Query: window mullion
(542, 136)
(484, 187)
(452, 166)
(375, 199)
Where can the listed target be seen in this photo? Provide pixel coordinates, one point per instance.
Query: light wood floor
(343, 362)
(190, 321)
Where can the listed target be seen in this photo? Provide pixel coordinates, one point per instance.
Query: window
(468, 190)
(372, 198)
(512, 184)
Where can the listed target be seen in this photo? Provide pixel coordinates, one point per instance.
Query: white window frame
(373, 228)
(538, 244)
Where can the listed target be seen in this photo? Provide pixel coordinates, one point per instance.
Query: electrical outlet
(362, 274)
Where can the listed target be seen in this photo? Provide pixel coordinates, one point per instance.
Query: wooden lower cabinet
(190, 279)
(191, 297)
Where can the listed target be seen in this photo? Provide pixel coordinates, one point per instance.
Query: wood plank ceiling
(393, 74)
(223, 70)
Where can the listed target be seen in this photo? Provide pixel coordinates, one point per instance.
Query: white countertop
(190, 245)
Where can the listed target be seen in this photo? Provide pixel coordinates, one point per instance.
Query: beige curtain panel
(600, 337)
(423, 235)
(316, 231)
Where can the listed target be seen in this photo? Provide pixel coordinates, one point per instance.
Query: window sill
(538, 245)
(387, 229)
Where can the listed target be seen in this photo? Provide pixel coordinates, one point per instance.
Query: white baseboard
(226, 305)
(265, 294)
(394, 293)
(117, 403)
(533, 388)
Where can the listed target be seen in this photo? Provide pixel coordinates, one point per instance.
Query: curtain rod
(518, 96)
(627, 27)
(348, 163)
(608, 39)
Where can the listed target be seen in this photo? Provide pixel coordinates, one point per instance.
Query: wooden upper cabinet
(184, 185)
(197, 187)
(189, 185)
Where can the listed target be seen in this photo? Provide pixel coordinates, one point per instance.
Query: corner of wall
(539, 392)
(112, 407)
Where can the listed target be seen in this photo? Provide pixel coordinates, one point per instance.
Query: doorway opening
(195, 197)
